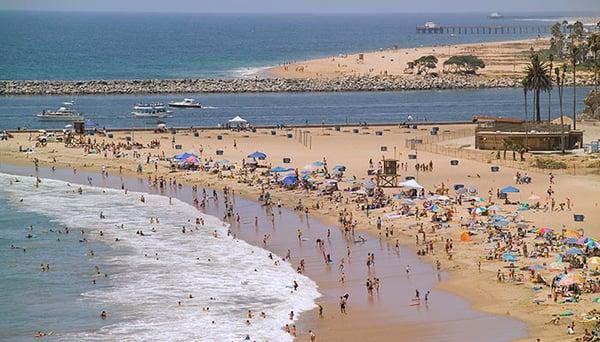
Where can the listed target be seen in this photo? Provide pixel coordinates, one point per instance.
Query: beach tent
(237, 120)
(314, 165)
(572, 241)
(574, 251)
(183, 156)
(571, 233)
(257, 155)
(509, 257)
(289, 180)
(543, 231)
(412, 184)
(369, 184)
(536, 267)
(570, 279)
(594, 262)
(509, 189)
(279, 169)
(465, 236)
(192, 160)
(407, 201)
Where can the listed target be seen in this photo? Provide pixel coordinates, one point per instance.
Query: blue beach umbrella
(279, 169)
(257, 155)
(509, 189)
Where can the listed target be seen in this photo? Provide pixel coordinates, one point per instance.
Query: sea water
(291, 108)
(79, 45)
(146, 276)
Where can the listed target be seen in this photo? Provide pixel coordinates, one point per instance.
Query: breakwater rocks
(266, 85)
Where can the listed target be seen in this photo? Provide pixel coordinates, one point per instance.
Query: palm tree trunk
(538, 117)
(562, 122)
(549, 104)
(525, 94)
(574, 98)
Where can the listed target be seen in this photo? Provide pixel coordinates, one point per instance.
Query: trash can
(178, 147)
(379, 133)
(412, 156)
(383, 148)
(578, 217)
(219, 152)
(286, 160)
(219, 137)
(454, 162)
(495, 168)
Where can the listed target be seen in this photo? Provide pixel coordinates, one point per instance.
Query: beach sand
(354, 150)
(502, 59)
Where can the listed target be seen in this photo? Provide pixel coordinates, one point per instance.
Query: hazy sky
(239, 6)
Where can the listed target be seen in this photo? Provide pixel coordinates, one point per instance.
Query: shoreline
(309, 319)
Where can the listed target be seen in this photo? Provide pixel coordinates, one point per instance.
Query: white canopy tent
(412, 184)
(237, 120)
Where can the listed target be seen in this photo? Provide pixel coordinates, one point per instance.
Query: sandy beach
(520, 299)
(502, 59)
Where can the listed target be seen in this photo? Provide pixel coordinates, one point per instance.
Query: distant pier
(483, 29)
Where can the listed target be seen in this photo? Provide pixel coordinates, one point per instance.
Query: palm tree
(537, 79)
(550, 60)
(560, 83)
(574, 57)
(525, 87)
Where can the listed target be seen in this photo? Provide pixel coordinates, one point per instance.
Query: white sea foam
(250, 72)
(146, 291)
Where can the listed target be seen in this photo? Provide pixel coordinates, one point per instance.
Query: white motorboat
(495, 15)
(151, 110)
(186, 103)
(66, 112)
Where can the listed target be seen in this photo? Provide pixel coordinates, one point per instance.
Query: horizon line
(552, 12)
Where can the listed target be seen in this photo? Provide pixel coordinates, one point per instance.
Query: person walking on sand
(312, 336)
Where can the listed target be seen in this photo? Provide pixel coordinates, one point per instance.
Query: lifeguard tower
(388, 176)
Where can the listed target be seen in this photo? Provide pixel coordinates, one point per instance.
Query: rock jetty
(264, 85)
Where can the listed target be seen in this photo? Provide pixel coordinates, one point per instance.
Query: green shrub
(547, 163)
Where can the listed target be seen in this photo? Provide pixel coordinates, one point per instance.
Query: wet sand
(446, 317)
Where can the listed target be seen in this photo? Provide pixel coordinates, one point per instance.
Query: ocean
(146, 275)
(79, 45)
(290, 108)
